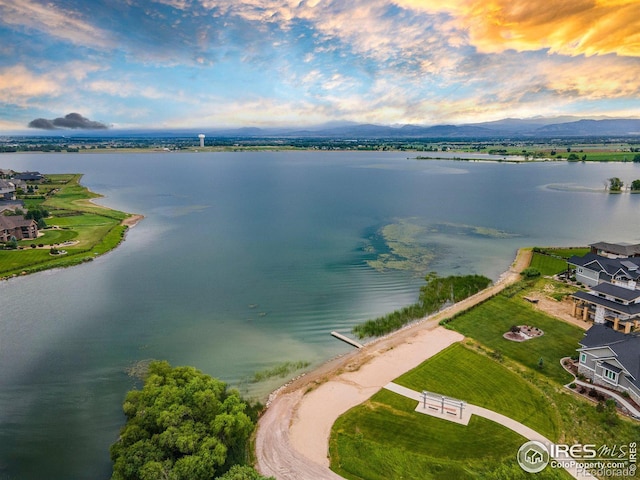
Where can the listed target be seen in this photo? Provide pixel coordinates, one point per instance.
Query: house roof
(631, 309)
(618, 248)
(629, 267)
(610, 367)
(625, 347)
(617, 291)
(9, 222)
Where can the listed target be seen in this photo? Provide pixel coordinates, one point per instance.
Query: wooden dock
(348, 340)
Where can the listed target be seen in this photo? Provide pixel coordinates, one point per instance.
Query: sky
(165, 64)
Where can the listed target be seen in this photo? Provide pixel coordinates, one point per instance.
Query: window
(583, 358)
(609, 375)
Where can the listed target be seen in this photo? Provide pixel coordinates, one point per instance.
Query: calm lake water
(248, 260)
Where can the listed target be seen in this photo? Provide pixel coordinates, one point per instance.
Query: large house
(613, 282)
(615, 250)
(17, 226)
(612, 359)
(7, 190)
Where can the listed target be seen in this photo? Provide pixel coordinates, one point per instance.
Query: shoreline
(292, 436)
(130, 221)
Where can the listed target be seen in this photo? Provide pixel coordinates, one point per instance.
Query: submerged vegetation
(279, 371)
(436, 294)
(411, 245)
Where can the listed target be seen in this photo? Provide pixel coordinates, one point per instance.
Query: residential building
(7, 190)
(613, 295)
(612, 359)
(17, 226)
(615, 250)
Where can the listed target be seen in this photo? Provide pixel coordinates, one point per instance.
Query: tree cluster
(183, 425)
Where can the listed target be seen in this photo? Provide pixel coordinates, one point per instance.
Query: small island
(44, 215)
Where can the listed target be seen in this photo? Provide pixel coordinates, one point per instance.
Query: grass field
(487, 323)
(553, 261)
(462, 373)
(96, 229)
(385, 438)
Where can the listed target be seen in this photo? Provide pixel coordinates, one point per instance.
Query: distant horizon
(226, 64)
(511, 124)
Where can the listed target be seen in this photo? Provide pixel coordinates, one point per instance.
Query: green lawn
(487, 323)
(549, 261)
(464, 374)
(548, 265)
(384, 438)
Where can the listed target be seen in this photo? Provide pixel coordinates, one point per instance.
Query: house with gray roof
(612, 359)
(7, 190)
(615, 250)
(613, 295)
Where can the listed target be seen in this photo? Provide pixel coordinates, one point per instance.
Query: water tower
(201, 137)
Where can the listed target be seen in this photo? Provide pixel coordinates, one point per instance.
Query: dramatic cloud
(183, 63)
(569, 27)
(72, 120)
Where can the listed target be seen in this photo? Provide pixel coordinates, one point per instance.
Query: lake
(245, 261)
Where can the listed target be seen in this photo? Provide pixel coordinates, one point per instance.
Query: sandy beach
(293, 434)
(132, 220)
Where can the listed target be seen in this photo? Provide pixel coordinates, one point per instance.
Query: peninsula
(51, 221)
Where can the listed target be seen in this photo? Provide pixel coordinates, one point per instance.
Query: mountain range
(508, 128)
(533, 128)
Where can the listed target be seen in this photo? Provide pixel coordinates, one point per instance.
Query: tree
(243, 472)
(615, 184)
(182, 425)
(636, 158)
(36, 213)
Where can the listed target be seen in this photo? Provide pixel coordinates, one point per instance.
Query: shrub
(572, 386)
(530, 272)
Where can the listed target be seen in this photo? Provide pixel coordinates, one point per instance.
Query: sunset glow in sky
(227, 63)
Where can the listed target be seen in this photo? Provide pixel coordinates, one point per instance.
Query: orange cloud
(570, 27)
